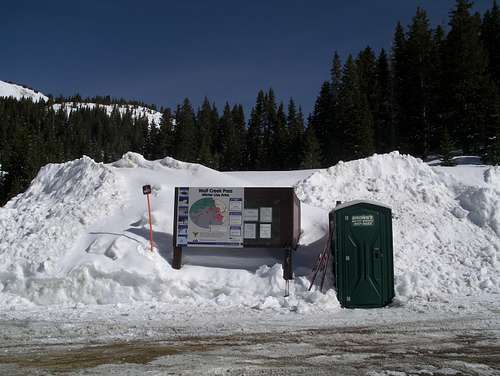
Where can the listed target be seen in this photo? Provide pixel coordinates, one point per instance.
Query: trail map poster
(210, 217)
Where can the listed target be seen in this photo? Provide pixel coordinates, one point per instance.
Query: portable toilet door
(364, 271)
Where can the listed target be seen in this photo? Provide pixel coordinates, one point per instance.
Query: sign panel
(146, 189)
(265, 231)
(250, 230)
(266, 214)
(251, 215)
(210, 217)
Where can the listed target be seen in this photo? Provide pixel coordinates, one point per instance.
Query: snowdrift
(446, 238)
(79, 234)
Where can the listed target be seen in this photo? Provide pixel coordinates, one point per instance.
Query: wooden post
(147, 191)
(177, 259)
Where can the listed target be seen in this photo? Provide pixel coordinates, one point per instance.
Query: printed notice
(235, 219)
(235, 231)
(235, 205)
(266, 215)
(250, 231)
(265, 231)
(251, 215)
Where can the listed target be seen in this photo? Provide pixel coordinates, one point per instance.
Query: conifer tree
(354, 118)
(312, 151)
(322, 123)
(336, 76)
(206, 132)
(280, 143)
(268, 127)
(295, 125)
(470, 95)
(490, 33)
(367, 72)
(255, 145)
(419, 88)
(446, 148)
(164, 146)
(331, 146)
(231, 150)
(186, 143)
(400, 65)
(384, 117)
(239, 122)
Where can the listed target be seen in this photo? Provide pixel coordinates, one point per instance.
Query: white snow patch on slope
(443, 245)
(154, 117)
(19, 92)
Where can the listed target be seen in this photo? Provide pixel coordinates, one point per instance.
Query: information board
(209, 216)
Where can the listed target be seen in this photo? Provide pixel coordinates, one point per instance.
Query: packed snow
(137, 112)
(446, 237)
(20, 92)
(79, 235)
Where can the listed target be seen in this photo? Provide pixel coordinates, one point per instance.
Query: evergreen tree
(295, 125)
(186, 143)
(384, 117)
(400, 65)
(239, 123)
(312, 152)
(335, 76)
(332, 144)
(419, 88)
(206, 132)
(322, 123)
(367, 72)
(270, 119)
(446, 147)
(255, 144)
(231, 150)
(163, 145)
(354, 118)
(490, 32)
(470, 95)
(280, 143)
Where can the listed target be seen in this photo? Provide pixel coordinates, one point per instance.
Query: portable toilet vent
(363, 254)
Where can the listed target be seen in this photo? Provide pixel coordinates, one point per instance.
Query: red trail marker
(146, 190)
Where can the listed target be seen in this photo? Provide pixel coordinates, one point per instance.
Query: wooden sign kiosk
(225, 217)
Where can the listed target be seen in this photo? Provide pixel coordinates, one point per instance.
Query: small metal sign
(146, 189)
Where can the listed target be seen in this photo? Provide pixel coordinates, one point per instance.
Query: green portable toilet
(363, 254)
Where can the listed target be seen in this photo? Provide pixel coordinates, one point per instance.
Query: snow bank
(38, 227)
(80, 234)
(19, 92)
(444, 245)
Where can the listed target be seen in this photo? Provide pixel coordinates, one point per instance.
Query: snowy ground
(76, 276)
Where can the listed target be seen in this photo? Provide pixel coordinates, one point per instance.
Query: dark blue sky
(162, 51)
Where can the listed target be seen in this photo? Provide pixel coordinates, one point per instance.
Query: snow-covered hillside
(154, 117)
(19, 92)
(79, 234)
